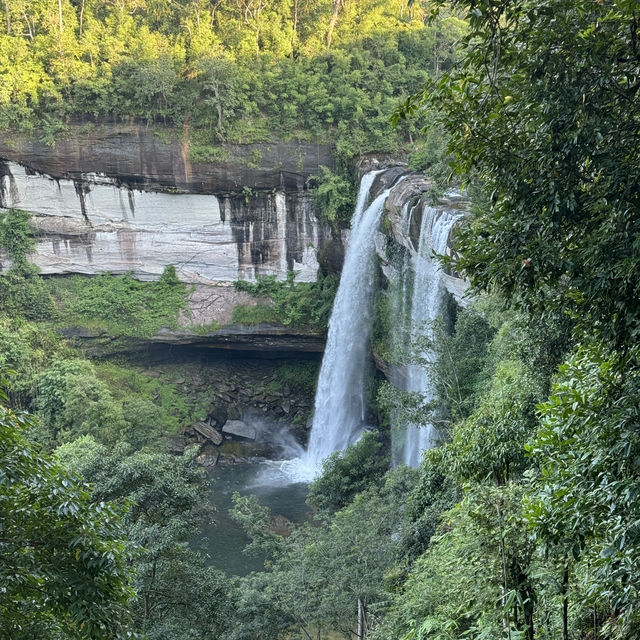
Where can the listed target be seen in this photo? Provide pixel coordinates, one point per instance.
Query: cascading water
(426, 305)
(340, 406)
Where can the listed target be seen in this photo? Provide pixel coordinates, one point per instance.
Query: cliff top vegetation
(245, 71)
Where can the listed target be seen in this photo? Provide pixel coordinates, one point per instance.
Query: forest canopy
(232, 70)
(524, 522)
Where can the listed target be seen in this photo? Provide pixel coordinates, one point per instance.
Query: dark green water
(225, 540)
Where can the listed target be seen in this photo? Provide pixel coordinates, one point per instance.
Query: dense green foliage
(317, 576)
(16, 239)
(301, 305)
(74, 397)
(66, 548)
(120, 304)
(22, 292)
(345, 475)
(167, 495)
(470, 567)
(26, 348)
(544, 114)
(334, 196)
(243, 71)
(111, 402)
(64, 561)
(584, 505)
(523, 523)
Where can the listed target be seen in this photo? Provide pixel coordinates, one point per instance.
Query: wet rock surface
(94, 224)
(156, 158)
(245, 408)
(239, 429)
(125, 197)
(208, 432)
(413, 192)
(263, 337)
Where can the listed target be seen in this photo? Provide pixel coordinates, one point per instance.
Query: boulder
(233, 413)
(239, 429)
(208, 459)
(208, 432)
(177, 445)
(218, 411)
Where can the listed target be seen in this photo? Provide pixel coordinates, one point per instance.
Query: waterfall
(340, 406)
(339, 412)
(426, 302)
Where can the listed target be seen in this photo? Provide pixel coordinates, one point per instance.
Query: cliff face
(122, 199)
(404, 211)
(155, 159)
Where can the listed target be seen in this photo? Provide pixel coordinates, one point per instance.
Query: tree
(73, 402)
(475, 579)
(222, 93)
(489, 445)
(584, 506)
(360, 467)
(334, 18)
(22, 293)
(178, 596)
(543, 111)
(64, 565)
(324, 577)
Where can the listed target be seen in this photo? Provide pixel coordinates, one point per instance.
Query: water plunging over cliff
(340, 397)
(340, 404)
(426, 305)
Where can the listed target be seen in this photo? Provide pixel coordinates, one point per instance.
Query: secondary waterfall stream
(425, 277)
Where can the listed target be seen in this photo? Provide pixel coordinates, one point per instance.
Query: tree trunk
(81, 16)
(28, 23)
(216, 93)
(147, 593)
(506, 622)
(332, 22)
(360, 619)
(527, 598)
(214, 8)
(294, 34)
(565, 601)
(60, 14)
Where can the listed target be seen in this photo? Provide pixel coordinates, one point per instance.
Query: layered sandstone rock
(127, 198)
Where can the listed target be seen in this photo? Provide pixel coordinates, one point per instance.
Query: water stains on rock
(9, 195)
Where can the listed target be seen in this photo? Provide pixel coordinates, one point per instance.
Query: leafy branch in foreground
(64, 565)
(543, 113)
